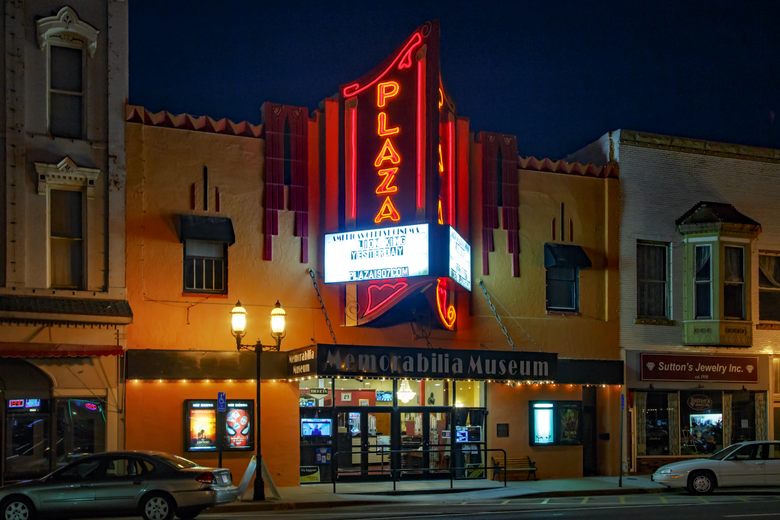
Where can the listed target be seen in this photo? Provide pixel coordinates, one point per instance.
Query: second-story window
(66, 239)
(703, 282)
(652, 299)
(66, 91)
(769, 289)
(734, 283)
(562, 289)
(205, 266)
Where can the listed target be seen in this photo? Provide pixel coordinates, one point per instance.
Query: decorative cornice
(68, 173)
(67, 27)
(139, 114)
(609, 170)
(699, 146)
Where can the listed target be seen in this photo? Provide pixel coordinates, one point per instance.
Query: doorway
(363, 443)
(419, 437)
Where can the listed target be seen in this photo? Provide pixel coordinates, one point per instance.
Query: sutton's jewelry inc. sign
(358, 361)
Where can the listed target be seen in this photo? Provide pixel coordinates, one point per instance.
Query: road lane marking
(751, 515)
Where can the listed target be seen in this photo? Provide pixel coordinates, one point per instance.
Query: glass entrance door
(425, 443)
(363, 442)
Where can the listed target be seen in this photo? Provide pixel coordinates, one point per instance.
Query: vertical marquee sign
(399, 180)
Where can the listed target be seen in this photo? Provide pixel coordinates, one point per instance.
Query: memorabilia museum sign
(361, 361)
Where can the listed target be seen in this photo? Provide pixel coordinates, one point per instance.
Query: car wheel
(157, 506)
(701, 482)
(188, 514)
(17, 508)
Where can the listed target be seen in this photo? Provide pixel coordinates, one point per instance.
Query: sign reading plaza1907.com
(377, 254)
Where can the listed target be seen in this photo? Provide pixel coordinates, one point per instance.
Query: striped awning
(56, 350)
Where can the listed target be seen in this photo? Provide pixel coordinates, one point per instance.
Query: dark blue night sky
(558, 74)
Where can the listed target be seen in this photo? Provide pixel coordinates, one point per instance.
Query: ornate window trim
(67, 28)
(66, 173)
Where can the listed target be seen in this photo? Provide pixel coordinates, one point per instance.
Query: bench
(519, 465)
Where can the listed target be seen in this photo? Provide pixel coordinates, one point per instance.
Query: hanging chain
(495, 315)
(322, 305)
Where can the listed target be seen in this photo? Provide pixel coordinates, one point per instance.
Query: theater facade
(448, 302)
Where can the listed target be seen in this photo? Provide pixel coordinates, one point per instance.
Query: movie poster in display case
(201, 425)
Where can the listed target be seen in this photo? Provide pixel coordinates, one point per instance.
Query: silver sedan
(152, 484)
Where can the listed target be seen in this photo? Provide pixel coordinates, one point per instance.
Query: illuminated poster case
(200, 425)
(555, 423)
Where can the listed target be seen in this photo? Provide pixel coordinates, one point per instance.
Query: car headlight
(665, 471)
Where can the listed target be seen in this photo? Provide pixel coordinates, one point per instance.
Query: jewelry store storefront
(691, 405)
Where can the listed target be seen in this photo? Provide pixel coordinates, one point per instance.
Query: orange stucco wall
(509, 405)
(155, 412)
(164, 164)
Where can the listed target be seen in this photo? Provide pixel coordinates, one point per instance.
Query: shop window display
(81, 428)
(701, 418)
(695, 422)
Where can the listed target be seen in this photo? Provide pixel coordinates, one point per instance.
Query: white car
(745, 464)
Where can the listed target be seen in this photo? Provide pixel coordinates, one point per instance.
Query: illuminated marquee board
(377, 254)
(397, 252)
(459, 268)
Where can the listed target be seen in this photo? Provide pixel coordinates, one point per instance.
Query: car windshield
(722, 454)
(178, 462)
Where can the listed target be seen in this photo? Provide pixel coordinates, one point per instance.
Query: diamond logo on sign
(749, 368)
(650, 365)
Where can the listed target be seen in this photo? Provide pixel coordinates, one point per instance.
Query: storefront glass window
(701, 420)
(81, 428)
(743, 417)
(657, 424)
(27, 427)
(469, 393)
(316, 393)
(364, 392)
(776, 377)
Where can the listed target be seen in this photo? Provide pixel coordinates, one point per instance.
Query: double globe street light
(238, 322)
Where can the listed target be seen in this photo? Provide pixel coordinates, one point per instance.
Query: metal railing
(396, 473)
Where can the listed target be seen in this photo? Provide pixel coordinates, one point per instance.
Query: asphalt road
(667, 506)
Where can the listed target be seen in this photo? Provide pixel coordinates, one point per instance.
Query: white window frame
(696, 283)
(205, 260)
(72, 93)
(66, 29)
(67, 176)
(761, 289)
(742, 283)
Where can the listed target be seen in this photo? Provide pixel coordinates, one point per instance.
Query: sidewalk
(365, 493)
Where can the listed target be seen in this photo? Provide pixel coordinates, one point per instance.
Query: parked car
(745, 464)
(152, 484)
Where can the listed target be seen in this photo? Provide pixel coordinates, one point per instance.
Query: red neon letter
(447, 313)
(381, 126)
(387, 153)
(386, 90)
(386, 186)
(387, 211)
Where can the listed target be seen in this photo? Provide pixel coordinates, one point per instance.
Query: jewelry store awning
(56, 350)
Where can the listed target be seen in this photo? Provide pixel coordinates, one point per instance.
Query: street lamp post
(238, 329)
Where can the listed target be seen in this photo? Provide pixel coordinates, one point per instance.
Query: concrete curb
(281, 505)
